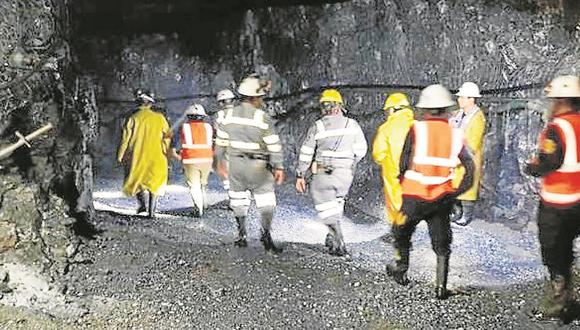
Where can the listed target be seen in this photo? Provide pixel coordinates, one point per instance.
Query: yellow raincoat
(387, 148)
(145, 143)
(474, 132)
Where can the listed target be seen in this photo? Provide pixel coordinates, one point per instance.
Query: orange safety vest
(435, 156)
(196, 142)
(562, 186)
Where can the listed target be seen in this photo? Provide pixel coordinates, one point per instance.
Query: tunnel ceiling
(104, 17)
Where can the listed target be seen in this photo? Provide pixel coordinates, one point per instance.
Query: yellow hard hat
(331, 95)
(396, 100)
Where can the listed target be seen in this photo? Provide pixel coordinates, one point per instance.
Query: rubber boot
(242, 236)
(267, 214)
(142, 199)
(467, 216)
(152, 205)
(441, 279)
(338, 247)
(398, 270)
(269, 243)
(553, 304)
(328, 240)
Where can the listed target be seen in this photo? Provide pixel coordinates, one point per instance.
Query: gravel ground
(184, 273)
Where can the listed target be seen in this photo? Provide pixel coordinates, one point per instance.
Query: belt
(253, 156)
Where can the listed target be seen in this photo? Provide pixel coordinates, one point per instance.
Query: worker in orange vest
(196, 154)
(558, 164)
(431, 153)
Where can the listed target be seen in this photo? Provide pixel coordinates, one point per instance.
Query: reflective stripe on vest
(562, 187)
(435, 156)
(196, 142)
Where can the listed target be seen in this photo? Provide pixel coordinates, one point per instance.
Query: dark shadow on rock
(183, 212)
(572, 313)
(65, 188)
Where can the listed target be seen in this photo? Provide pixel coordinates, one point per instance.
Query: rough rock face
(44, 190)
(363, 44)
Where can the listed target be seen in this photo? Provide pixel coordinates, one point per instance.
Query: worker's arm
(550, 156)
(273, 144)
(359, 146)
(167, 136)
(380, 145)
(406, 155)
(307, 152)
(125, 139)
(466, 159)
(176, 146)
(475, 132)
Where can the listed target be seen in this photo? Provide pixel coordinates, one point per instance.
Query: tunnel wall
(498, 45)
(45, 198)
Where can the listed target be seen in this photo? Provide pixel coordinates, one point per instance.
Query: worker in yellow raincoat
(143, 150)
(470, 119)
(387, 149)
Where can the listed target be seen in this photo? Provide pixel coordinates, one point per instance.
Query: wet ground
(484, 254)
(184, 273)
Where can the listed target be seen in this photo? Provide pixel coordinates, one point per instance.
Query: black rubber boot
(328, 240)
(242, 236)
(142, 199)
(269, 243)
(337, 245)
(152, 205)
(441, 280)
(556, 299)
(398, 270)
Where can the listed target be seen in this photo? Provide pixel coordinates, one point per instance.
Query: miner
(143, 150)
(471, 120)
(333, 146)
(387, 147)
(431, 153)
(558, 164)
(195, 144)
(246, 139)
(225, 99)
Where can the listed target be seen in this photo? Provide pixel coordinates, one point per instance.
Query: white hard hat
(225, 94)
(195, 109)
(564, 86)
(469, 89)
(251, 86)
(435, 96)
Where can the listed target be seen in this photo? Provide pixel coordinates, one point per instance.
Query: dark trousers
(437, 216)
(558, 227)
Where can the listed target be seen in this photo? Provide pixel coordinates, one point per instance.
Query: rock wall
(363, 45)
(45, 199)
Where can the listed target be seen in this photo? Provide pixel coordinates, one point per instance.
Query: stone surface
(8, 237)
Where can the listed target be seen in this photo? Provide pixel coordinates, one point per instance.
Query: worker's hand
(301, 185)
(279, 176)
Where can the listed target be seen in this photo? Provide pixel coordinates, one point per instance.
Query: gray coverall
(335, 144)
(247, 138)
(219, 118)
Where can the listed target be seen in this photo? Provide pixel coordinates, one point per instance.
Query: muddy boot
(142, 199)
(398, 270)
(553, 304)
(242, 239)
(269, 243)
(337, 246)
(152, 205)
(441, 279)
